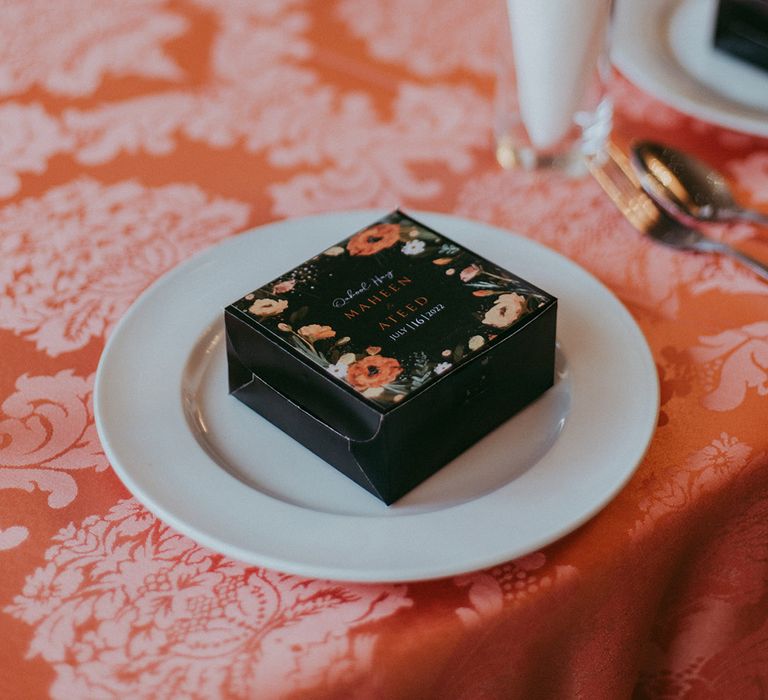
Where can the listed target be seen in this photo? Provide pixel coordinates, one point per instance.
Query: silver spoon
(686, 187)
(619, 180)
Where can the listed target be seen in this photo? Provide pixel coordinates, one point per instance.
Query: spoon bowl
(687, 188)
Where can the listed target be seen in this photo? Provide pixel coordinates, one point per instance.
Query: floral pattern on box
(492, 301)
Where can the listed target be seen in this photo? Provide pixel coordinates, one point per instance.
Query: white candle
(555, 46)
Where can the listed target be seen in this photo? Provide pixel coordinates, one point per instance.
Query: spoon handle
(755, 217)
(755, 265)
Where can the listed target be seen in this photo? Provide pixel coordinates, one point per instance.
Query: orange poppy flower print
(373, 371)
(374, 239)
(315, 331)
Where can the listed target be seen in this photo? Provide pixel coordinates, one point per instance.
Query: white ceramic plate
(665, 47)
(217, 471)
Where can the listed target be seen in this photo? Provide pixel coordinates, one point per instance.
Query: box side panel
(306, 386)
(443, 421)
(296, 422)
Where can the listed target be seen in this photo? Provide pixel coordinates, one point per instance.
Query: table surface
(133, 135)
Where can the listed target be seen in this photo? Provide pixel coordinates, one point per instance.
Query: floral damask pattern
(29, 138)
(710, 644)
(260, 95)
(98, 41)
(429, 124)
(126, 607)
(395, 31)
(733, 363)
(676, 379)
(295, 131)
(508, 584)
(73, 260)
(46, 433)
(255, 93)
(706, 470)
(752, 175)
(633, 103)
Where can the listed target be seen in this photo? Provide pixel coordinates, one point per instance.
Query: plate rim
(385, 572)
(627, 49)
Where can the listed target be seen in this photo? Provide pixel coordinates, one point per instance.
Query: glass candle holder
(553, 107)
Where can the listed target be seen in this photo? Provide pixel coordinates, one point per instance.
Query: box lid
(391, 309)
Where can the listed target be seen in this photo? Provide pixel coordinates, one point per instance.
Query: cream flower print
(414, 247)
(341, 368)
(505, 310)
(268, 307)
(469, 272)
(338, 370)
(476, 342)
(283, 287)
(334, 251)
(442, 367)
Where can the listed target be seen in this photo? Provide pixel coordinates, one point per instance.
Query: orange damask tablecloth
(135, 134)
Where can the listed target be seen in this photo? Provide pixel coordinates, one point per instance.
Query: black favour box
(391, 352)
(741, 29)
